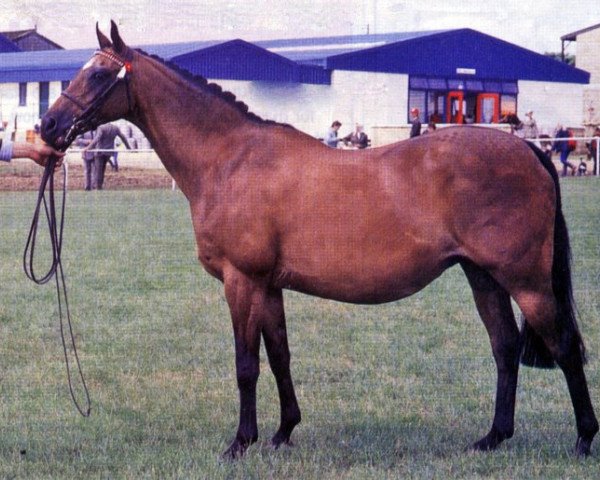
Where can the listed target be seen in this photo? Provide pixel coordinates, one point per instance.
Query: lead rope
(55, 229)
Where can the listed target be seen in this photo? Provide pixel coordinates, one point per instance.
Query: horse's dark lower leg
(275, 336)
(493, 304)
(587, 424)
(243, 296)
(564, 347)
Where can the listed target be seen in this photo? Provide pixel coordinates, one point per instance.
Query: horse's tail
(534, 351)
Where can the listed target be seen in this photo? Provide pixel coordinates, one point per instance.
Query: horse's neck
(186, 125)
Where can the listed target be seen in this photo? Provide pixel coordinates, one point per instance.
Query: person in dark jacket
(358, 138)
(563, 147)
(88, 157)
(104, 140)
(415, 129)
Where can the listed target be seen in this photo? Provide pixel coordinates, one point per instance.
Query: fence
(139, 158)
(539, 141)
(145, 169)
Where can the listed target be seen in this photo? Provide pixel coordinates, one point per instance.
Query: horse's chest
(210, 257)
(248, 249)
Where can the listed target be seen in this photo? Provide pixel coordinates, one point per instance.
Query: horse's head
(98, 94)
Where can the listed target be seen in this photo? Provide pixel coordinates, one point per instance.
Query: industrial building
(452, 76)
(587, 57)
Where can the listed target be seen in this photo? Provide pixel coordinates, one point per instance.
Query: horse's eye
(100, 75)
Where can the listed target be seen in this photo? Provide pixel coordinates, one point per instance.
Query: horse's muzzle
(55, 129)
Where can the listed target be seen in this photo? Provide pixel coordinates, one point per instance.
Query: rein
(55, 229)
(88, 120)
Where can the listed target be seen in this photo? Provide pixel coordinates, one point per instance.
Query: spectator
(430, 128)
(415, 129)
(105, 140)
(593, 148)
(88, 158)
(358, 138)
(530, 129)
(331, 139)
(563, 147)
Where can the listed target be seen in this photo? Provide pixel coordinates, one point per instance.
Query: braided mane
(213, 89)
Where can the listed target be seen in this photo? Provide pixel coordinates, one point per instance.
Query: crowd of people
(562, 144)
(357, 139)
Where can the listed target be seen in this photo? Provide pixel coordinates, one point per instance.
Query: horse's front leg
(245, 297)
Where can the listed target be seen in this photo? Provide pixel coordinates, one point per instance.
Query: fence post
(597, 159)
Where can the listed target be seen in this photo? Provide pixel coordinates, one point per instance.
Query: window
(436, 106)
(22, 94)
(44, 98)
(461, 100)
(508, 104)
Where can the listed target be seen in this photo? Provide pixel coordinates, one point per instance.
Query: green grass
(393, 391)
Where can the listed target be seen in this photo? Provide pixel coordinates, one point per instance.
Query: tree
(569, 59)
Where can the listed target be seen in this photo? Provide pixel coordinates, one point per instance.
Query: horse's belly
(376, 281)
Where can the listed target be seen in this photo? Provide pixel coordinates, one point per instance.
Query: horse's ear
(118, 43)
(102, 40)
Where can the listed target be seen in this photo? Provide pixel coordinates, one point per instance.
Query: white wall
(552, 103)
(587, 58)
(27, 115)
(373, 99)
(369, 98)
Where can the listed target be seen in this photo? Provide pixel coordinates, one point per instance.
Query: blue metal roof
(441, 53)
(457, 53)
(42, 66)
(233, 60)
(317, 49)
(6, 45)
(168, 51)
(240, 60)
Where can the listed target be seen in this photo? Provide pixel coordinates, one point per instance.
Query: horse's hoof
(280, 439)
(486, 444)
(583, 447)
(236, 450)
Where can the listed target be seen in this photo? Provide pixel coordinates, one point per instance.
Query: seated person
(358, 138)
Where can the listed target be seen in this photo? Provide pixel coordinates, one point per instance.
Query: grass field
(393, 391)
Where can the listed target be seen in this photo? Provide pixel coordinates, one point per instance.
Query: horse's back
(390, 221)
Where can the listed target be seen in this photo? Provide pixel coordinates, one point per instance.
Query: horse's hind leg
(540, 310)
(587, 424)
(494, 307)
(275, 336)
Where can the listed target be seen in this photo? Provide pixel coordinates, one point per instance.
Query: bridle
(88, 119)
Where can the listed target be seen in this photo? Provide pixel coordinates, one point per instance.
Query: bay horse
(273, 208)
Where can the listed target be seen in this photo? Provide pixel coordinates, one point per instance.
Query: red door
(488, 108)
(455, 107)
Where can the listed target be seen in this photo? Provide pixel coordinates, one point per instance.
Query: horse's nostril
(48, 124)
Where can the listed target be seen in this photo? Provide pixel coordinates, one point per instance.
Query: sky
(533, 24)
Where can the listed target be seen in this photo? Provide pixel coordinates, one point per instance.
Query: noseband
(88, 119)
